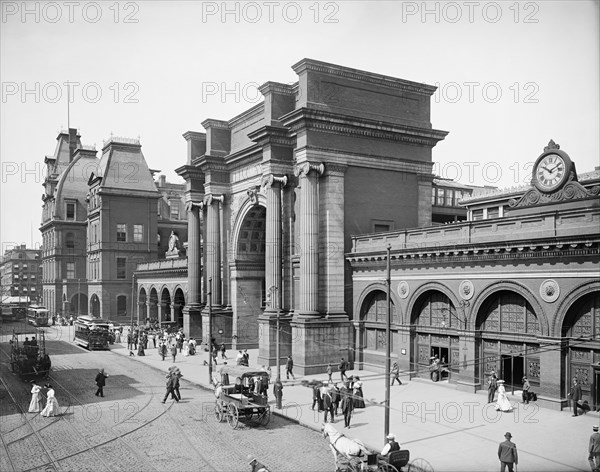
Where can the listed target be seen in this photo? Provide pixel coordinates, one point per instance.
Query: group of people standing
(503, 403)
(35, 406)
(330, 397)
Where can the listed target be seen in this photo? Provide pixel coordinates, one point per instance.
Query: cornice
(189, 172)
(194, 135)
(272, 135)
(276, 88)
(327, 122)
(212, 123)
(363, 76)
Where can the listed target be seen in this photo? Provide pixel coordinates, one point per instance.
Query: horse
(340, 445)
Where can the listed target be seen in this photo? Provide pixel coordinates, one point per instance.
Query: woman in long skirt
(35, 406)
(357, 391)
(503, 403)
(52, 408)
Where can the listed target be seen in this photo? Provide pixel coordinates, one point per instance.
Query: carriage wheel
(233, 415)
(265, 417)
(385, 467)
(420, 465)
(219, 413)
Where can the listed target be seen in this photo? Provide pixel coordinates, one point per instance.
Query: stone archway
(165, 305)
(371, 340)
(153, 307)
(95, 305)
(79, 304)
(178, 304)
(142, 307)
(248, 291)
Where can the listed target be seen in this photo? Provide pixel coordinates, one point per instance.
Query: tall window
(174, 204)
(70, 270)
(440, 196)
(70, 210)
(121, 232)
(138, 233)
(121, 268)
(433, 189)
(449, 195)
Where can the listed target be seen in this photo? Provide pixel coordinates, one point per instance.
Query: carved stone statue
(173, 249)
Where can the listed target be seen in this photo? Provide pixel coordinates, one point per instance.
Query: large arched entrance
(581, 327)
(248, 291)
(142, 307)
(508, 329)
(178, 304)
(371, 336)
(95, 305)
(153, 308)
(165, 305)
(434, 332)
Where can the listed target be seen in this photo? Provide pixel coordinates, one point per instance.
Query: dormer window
(70, 210)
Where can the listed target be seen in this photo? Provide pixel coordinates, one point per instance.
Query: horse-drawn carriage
(241, 395)
(29, 358)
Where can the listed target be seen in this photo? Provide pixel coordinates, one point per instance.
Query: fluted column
(273, 186)
(309, 238)
(194, 253)
(213, 246)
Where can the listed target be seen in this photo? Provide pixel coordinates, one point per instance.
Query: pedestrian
(174, 351)
(359, 401)
(492, 386)
(170, 388)
(575, 395)
(347, 404)
(176, 374)
(317, 397)
(246, 358)
(162, 347)
(129, 341)
(214, 353)
(154, 340)
(141, 351)
(289, 367)
(278, 392)
(396, 374)
(239, 358)
(135, 340)
(186, 348)
(507, 453)
(526, 391)
(594, 450)
(329, 372)
(343, 368)
(101, 382)
(223, 349)
(335, 394)
(51, 408)
(35, 406)
(327, 403)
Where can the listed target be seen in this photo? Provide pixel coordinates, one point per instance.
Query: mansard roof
(123, 166)
(72, 182)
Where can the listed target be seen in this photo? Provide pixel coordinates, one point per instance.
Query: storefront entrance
(512, 370)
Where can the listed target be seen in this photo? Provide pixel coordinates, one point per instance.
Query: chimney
(162, 180)
(72, 143)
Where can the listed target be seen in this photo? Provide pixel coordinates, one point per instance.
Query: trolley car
(236, 401)
(29, 360)
(91, 332)
(13, 312)
(37, 315)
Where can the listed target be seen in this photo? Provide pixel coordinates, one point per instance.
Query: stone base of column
(309, 315)
(192, 321)
(316, 343)
(221, 326)
(267, 335)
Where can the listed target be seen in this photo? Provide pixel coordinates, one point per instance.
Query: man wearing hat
(594, 449)
(492, 386)
(507, 453)
(390, 446)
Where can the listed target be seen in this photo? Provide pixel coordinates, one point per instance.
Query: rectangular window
(70, 270)
(449, 195)
(174, 210)
(121, 232)
(70, 211)
(138, 233)
(440, 196)
(493, 212)
(379, 228)
(433, 195)
(478, 214)
(121, 268)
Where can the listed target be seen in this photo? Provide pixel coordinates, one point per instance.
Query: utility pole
(388, 343)
(210, 346)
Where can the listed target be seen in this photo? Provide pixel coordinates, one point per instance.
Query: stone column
(273, 186)
(213, 246)
(192, 321)
(309, 239)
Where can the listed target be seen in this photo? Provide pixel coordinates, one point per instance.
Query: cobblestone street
(130, 429)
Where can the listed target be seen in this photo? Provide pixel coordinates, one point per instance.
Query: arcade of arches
(164, 305)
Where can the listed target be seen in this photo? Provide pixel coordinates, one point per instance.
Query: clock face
(550, 172)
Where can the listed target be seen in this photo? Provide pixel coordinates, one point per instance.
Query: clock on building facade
(553, 169)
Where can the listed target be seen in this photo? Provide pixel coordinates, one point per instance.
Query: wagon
(27, 360)
(237, 401)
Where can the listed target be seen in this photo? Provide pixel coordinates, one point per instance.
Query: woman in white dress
(52, 408)
(35, 406)
(186, 348)
(503, 404)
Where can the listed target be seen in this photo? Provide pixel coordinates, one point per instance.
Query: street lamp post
(388, 342)
(78, 297)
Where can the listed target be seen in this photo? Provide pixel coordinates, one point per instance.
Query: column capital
(336, 169)
(194, 205)
(270, 179)
(305, 168)
(208, 199)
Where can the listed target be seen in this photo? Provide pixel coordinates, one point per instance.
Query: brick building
(274, 194)
(514, 289)
(21, 273)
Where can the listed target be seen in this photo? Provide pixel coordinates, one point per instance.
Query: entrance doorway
(512, 371)
(442, 354)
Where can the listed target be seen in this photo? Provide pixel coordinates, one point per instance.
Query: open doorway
(512, 371)
(442, 354)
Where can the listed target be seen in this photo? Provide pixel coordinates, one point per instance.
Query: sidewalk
(452, 430)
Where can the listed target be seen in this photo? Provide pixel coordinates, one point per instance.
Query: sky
(510, 75)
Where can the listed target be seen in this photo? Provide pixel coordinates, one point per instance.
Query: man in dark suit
(594, 449)
(507, 453)
(575, 395)
(492, 386)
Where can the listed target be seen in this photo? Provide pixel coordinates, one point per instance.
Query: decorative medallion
(466, 290)
(403, 289)
(549, 290)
